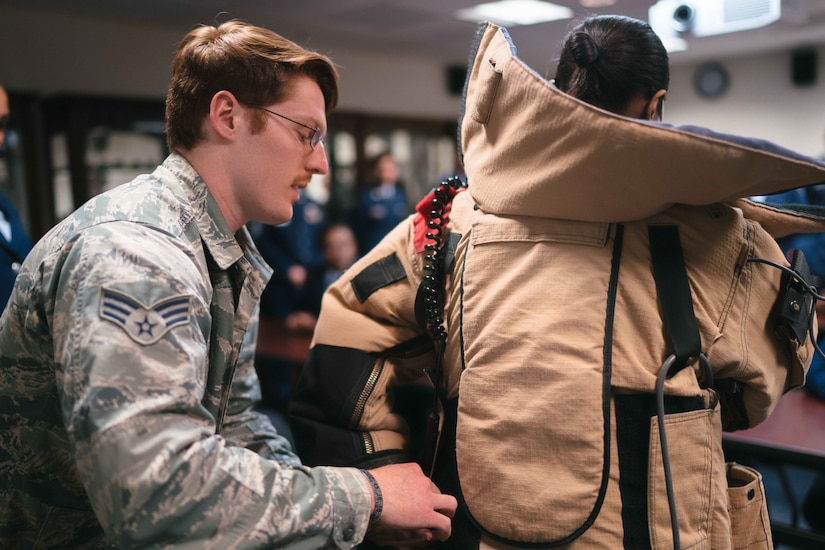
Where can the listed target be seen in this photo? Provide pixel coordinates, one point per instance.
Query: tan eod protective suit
(555, 332)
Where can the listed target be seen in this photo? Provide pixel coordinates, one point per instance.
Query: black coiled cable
(432, 283)
(432, 280)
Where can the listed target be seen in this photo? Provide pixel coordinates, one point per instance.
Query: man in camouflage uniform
(126, 351)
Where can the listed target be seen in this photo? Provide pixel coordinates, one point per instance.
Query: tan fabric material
(697, 478)
(748, 509)
(533, 327)
(531, 150)
(531, 336)
(778, 223)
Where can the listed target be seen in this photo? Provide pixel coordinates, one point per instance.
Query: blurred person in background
(380, 205)
(14, 240)
(339, 249)
(291, 249)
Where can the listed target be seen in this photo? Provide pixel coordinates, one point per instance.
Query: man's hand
(415, 511)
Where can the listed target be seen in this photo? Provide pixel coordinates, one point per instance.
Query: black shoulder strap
(673, 289)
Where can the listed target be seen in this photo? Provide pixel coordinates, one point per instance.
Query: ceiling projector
(674, 18)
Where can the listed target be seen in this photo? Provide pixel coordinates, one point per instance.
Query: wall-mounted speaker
(456, 75)
(803, 66)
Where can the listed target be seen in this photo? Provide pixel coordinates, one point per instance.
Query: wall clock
(711, 80)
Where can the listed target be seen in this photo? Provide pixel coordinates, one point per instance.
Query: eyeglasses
(314, 138)
(4, 123)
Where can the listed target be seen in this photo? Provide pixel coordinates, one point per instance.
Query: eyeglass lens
(314, 138)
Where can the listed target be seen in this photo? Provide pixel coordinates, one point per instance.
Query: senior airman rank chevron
(145, 325)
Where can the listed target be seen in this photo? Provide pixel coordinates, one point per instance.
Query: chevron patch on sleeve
(144, 324)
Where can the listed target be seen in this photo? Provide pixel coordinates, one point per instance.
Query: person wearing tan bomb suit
(554, 332)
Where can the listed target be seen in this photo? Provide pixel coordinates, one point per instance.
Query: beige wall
(762, 102)
(51, 54)
(66, 54)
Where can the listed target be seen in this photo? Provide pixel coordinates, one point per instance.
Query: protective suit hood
(530, 149)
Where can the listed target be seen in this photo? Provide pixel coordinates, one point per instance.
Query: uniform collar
(224, 247)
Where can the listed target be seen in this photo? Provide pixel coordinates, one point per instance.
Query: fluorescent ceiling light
(511, 13)
(596, 3)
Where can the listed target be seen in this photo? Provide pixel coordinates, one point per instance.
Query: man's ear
(224, 110)
(653, 110)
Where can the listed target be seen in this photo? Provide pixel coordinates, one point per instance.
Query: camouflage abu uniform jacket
(555, 336)
(126, 381)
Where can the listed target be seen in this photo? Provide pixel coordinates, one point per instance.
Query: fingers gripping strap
(673, 288)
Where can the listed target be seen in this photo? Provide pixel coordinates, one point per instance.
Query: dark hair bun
(585, 50)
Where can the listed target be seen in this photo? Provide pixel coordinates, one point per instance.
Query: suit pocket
(750, 526)
(694, 448)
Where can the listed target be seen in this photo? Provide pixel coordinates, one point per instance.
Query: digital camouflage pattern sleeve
(119, 426)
